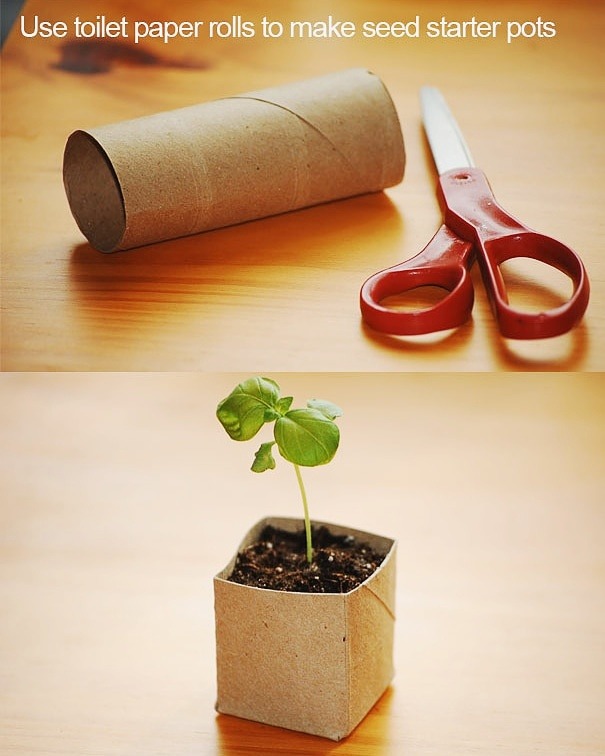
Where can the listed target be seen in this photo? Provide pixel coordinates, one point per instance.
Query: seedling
(305, 437)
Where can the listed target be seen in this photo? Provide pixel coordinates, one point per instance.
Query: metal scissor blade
(445, 138)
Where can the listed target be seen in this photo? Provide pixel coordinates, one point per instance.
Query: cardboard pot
(312, 662)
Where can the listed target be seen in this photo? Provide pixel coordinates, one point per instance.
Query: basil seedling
(305, 437)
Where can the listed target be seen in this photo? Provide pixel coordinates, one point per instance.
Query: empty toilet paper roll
(233, 160)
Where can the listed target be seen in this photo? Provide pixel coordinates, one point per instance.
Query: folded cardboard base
(315, 663)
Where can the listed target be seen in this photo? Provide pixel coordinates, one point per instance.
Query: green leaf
(330, 410)
(263, 459)
(306, 437)
(270, 414)
(251, 404)
(284, 404)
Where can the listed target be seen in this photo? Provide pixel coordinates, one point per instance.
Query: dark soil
(278, 561)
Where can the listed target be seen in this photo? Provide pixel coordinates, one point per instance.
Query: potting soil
(278, 561)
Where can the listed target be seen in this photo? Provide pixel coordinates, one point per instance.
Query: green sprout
(305, 437)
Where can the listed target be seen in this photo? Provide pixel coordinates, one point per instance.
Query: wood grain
(282, 293)
(122, 497)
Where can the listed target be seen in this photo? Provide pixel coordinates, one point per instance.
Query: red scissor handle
(471, 210)
(445, 263)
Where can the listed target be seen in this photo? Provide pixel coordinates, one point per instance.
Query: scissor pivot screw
(462, 177)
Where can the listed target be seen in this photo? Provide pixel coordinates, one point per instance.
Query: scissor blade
(445, 138)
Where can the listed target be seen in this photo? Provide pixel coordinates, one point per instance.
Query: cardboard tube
(233, 160)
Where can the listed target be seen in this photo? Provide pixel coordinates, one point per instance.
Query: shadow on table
(562, 353)
(143, 287)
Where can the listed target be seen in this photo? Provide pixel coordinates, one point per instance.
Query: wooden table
(122, 497)
(282, 293)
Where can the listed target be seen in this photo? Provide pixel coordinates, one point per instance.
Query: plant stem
(306, 510)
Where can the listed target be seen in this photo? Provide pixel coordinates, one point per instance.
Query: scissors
(474, 226)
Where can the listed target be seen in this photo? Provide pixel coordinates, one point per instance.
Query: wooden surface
(282, 293)
(122, 497)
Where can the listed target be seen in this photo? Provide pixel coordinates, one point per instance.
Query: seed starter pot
(312, 662)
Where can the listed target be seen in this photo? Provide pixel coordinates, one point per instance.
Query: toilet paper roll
(232, 160)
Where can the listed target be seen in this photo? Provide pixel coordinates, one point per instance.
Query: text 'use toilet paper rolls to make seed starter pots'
(233, 160)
